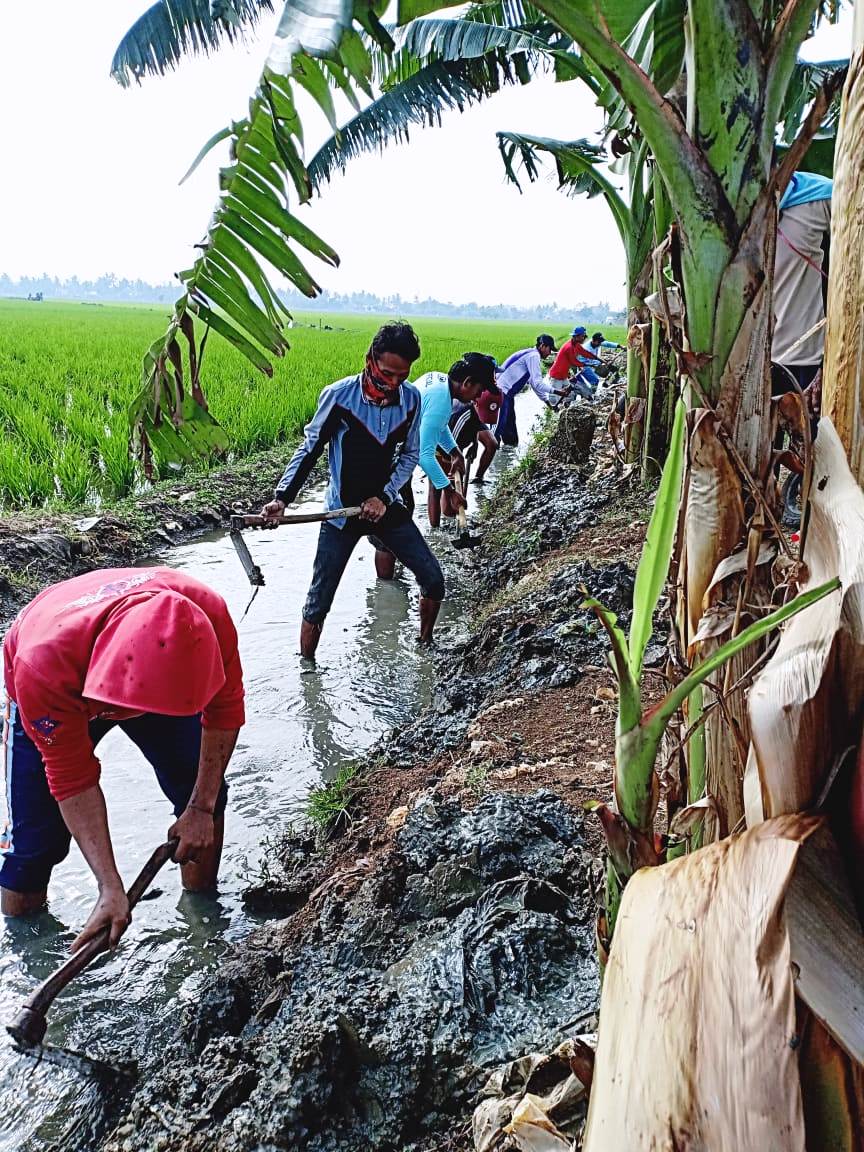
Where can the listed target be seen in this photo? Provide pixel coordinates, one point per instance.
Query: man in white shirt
(799, 304)
(526, 367)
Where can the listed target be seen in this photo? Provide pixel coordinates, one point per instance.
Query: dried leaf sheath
(682, 1042)
(806, 706)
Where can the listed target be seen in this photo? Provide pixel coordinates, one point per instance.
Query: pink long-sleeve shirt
(47, 653)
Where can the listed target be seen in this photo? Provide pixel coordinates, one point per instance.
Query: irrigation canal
(303, 723)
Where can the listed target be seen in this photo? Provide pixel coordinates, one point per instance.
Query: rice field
(68, 373)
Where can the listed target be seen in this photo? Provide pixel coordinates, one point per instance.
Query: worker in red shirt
(152, 651)
(576, 364)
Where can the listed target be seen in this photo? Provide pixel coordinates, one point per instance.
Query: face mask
(378, 389)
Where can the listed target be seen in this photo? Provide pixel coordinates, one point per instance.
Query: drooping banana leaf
(172, 29)
(416, 102)
(253, 232)
(443, 63)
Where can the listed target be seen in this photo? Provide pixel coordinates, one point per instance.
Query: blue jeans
(33, 836)
(505, 429)
(581, 385)
(397, 532)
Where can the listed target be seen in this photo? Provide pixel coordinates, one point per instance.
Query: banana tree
(630, 826)
(716, 166)
(715, 163)
(579, 173)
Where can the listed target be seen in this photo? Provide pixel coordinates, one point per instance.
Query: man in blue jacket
(370, 424)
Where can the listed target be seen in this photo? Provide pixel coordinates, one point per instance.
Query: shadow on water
(303, 723)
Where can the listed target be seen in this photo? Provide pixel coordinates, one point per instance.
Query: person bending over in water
(148, 650)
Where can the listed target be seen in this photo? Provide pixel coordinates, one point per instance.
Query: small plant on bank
(328, 806)
(477, 778)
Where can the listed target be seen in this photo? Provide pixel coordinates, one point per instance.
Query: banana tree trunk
(730, 457)
(662, 390)
(717, 171)
(843, 387)
(638, 357)
(660, 404)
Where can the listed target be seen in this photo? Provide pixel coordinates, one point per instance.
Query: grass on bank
(68, 372)
(328, 805)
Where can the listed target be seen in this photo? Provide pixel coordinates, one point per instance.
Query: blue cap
(580, 331)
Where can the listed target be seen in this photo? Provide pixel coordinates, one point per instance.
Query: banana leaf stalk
(629, 824)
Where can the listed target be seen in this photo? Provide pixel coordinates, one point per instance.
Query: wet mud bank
(445, 926)
(39, 548)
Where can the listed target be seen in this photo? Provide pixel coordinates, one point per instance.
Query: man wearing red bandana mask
(370, 424)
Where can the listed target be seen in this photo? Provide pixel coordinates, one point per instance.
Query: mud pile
(531, 631)
(372, 1019)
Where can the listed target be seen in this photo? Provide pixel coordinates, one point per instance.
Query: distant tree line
(114, 289)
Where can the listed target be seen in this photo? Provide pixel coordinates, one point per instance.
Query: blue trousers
(397, 533)
(505, 429)
(33, 836)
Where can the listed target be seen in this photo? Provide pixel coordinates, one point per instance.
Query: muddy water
(303, 724)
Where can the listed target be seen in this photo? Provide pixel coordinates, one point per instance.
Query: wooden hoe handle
(28, 1027)
(256, 520)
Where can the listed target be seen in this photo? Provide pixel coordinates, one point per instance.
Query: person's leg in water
(490, 447)
(385, 564)
(385, 561)
(172, 747)
(505, 427)
(33, 835)
(335, 546)
(433, 506)
(406, 542)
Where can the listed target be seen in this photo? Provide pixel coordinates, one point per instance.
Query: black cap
(598, 336)
(481, 368)
(545, 338)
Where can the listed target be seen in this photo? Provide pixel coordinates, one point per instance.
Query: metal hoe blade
(466, 540)
(80, 1062)
(29, 1025)
(253, 572)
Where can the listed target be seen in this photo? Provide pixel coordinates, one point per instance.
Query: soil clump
(445, 925)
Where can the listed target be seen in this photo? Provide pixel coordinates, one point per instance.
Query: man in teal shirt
(464, 382)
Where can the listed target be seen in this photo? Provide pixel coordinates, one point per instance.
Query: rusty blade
(84, 1065)
(253, 573)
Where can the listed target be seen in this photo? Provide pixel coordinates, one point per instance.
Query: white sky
(91, 175)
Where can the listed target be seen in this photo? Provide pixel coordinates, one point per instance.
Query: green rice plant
(74, 472)
(33, 431)
(24, 481)
(118, 466)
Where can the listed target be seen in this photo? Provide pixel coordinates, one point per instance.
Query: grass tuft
(328, 806)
